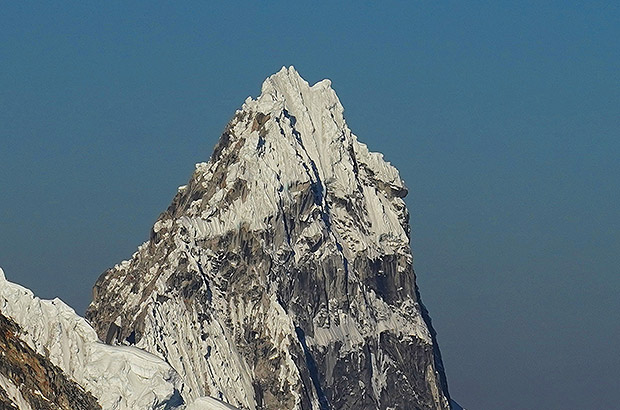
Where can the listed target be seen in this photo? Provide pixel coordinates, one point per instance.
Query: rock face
(281, 277)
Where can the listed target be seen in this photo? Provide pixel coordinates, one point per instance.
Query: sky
(503, 118)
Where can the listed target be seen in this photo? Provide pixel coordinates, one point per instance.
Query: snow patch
(13, 391)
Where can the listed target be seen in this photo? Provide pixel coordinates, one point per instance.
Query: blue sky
(503, 118)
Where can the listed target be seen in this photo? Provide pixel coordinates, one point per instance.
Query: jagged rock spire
(281, 274)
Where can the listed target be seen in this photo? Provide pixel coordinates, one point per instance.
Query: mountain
(51, 334)
(51, 358)
(281, 276)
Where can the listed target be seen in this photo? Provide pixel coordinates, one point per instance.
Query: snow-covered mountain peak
(312, 114)
(293, 139)
(288, 87)
(281, 274)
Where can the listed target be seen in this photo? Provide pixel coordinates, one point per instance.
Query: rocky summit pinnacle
(281, 277)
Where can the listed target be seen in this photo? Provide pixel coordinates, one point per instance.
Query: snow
(119, 377)
(306, 141)
(14, 394)
(209, 403)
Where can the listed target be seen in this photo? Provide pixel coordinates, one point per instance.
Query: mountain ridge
(50, 358)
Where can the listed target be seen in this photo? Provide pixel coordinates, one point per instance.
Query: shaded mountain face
(281, 274)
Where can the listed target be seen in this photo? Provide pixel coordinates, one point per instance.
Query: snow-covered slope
(29, 380)
(281, 274)
(119, 377)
